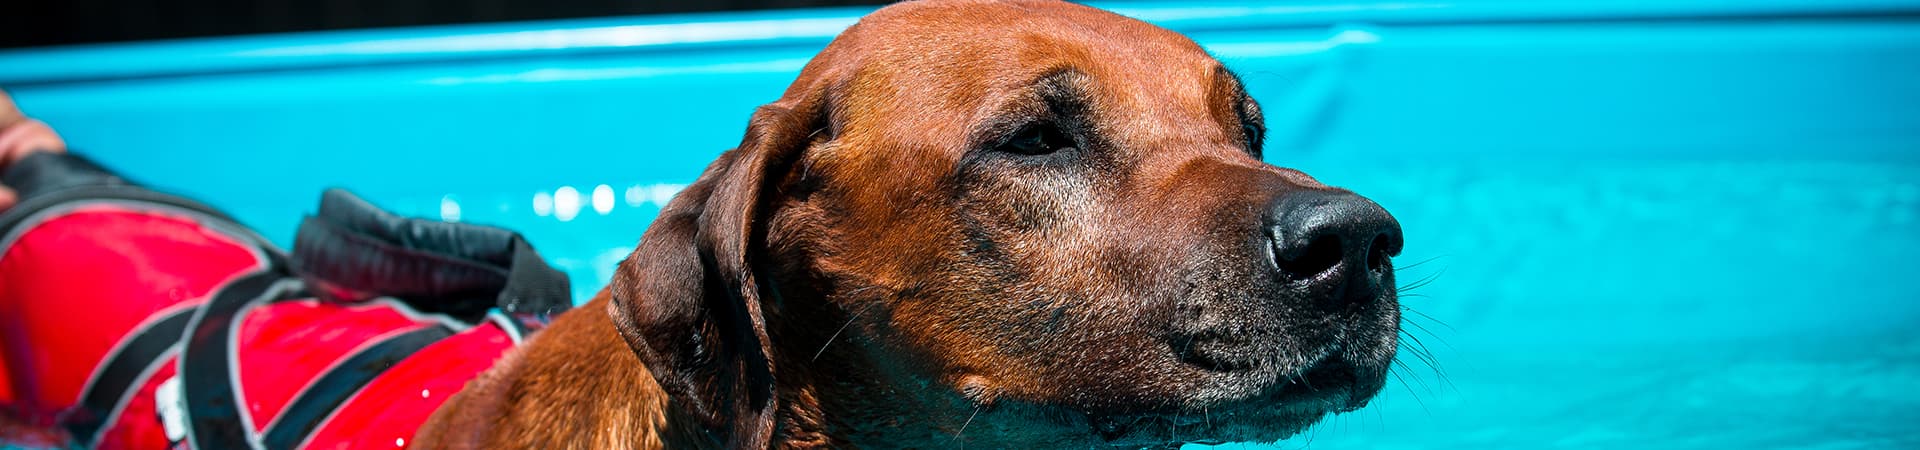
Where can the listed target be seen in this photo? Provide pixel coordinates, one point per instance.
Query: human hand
(19, 137)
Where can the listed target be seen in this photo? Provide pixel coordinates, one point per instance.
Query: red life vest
(138, 320)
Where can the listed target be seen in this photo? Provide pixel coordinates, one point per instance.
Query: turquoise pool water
(1645, 224)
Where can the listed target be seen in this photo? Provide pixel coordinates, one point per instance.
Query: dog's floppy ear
(688, 300)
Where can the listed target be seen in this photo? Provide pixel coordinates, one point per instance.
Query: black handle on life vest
(40, 173)
(352, 251)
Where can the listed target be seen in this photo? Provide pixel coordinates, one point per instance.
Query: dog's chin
(1243, 423)
(1278, 412)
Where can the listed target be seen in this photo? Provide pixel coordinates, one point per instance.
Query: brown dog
(1019, 224)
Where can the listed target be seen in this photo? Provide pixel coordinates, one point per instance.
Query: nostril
(1319, 255)
(1378, 253)
(1339, 234)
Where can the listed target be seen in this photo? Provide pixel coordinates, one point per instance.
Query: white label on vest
(172, 407)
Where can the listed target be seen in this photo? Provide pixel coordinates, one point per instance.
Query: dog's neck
(573, 385)
(578, 384)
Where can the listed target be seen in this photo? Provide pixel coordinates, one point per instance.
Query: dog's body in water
(1017, 224)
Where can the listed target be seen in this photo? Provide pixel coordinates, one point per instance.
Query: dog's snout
(1334, 241)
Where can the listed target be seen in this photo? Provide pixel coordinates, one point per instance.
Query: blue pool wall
(1642, 221)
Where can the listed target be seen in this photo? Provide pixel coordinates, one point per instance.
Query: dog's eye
(1038, 140)
(1256, 138)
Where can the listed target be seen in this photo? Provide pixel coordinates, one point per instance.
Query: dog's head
(1027, 223)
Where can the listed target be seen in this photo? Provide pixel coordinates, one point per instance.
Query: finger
(7, 198)
(8, 112)
(27, 137)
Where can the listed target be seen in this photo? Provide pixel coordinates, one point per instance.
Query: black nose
(1334, 242)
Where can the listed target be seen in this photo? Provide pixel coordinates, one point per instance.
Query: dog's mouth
(1286, 410)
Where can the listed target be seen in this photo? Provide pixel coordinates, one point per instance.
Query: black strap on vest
(207, 370)
(107, 392)
(318, 401)
(43, 172)
(212, 386)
